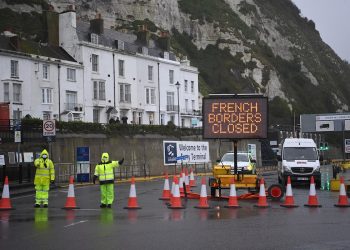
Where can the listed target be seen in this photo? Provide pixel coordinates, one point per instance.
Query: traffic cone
(343, 199)
(181, 181)
(289, 201)
(5, 203)
(166, 189)
(187, 181)
(70, 202)
(176, 200)
(312, 195)
(192, 180)
(203, 199)
(262, 202)
(232, 200)
(132, 202)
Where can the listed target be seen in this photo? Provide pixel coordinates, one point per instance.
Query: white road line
(76, 223)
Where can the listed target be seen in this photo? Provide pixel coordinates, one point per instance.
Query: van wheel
(275, 192)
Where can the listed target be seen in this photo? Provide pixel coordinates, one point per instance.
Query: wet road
(157, 227)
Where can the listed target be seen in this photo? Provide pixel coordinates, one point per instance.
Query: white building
(36, 85)
(99, 75)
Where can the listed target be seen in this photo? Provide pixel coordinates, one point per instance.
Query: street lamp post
(177, 84)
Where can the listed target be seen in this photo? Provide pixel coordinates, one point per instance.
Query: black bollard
(20, 171)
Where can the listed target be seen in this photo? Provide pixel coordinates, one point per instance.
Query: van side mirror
(218, 161)
(321, 158)
(279, 158)
(253, 161)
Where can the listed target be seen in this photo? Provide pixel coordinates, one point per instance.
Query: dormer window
(145, 50)
(94, 38)
(166, 55)
(120, 45)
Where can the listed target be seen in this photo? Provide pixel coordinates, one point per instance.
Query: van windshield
(300, 154)
(240, 157)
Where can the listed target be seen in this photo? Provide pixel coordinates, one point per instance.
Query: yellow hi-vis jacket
(45, 170)
(105, 169)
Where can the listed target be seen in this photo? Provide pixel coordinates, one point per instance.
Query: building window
(125, 93)
(99, 90)
(121, 67)
(94, 38)
(162, 119)
(193, 105)
(94, 61)
(71, 100)
(46, 115)
(171, 76)
(46, 71)
(150, 96)
(150, 73)
(186, 105)
(6, 92)
(46, 95)
(14, 68)
(96, 115)
(140, 118)
(186, 86)
(192, 86)
(17, 114)
(17, 93)
(170, 101)
(71, 74)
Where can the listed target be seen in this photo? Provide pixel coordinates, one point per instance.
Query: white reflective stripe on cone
(262, 190)
(312, 190)
(6, 192)
(132, 191)
(176, 191)
(166, 185)
(71, 191)
(233, 190)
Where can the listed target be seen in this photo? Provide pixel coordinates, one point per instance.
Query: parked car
(245, 163)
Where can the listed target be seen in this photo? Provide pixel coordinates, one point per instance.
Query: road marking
(19, 197)
(76, 223)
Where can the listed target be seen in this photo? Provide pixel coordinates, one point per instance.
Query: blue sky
(332, 19)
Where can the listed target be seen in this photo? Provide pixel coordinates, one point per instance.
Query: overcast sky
(332, 19)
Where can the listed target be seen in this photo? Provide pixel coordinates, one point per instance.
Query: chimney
(15, 42)
(164, 40)
(96, 25)
(52, 26)
(143, 35)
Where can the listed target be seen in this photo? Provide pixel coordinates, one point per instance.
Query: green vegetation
(32, 125)
(42, 3)
(149, 24)
(31, 26)
(216, 11)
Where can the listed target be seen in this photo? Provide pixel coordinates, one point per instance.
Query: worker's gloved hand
(52, 182)
(94, 179)
(121, 161)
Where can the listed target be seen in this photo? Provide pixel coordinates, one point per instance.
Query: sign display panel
(235, 117)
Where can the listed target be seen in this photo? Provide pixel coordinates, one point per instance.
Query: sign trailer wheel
(275, 192)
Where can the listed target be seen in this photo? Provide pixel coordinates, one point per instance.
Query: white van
(299, 159)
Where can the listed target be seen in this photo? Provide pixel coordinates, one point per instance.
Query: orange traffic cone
(343, 199)
(5, 203)
(181, 182)
(192, 180)
(232, 199)
(132, 202)
(289, 201)
(70, 202)
(203, 199)
(312, 195)
(262, 202)
(176, 200)
(187, 181)
(166, 189)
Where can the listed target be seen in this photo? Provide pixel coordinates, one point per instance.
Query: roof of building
(35, 48)
(109, 37)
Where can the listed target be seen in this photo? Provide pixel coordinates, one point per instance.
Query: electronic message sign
(235, 117)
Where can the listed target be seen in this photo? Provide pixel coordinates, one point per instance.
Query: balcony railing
(191, 112)
(174, 108)
(73, 107)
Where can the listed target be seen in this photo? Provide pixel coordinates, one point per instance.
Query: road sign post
(49, 131)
